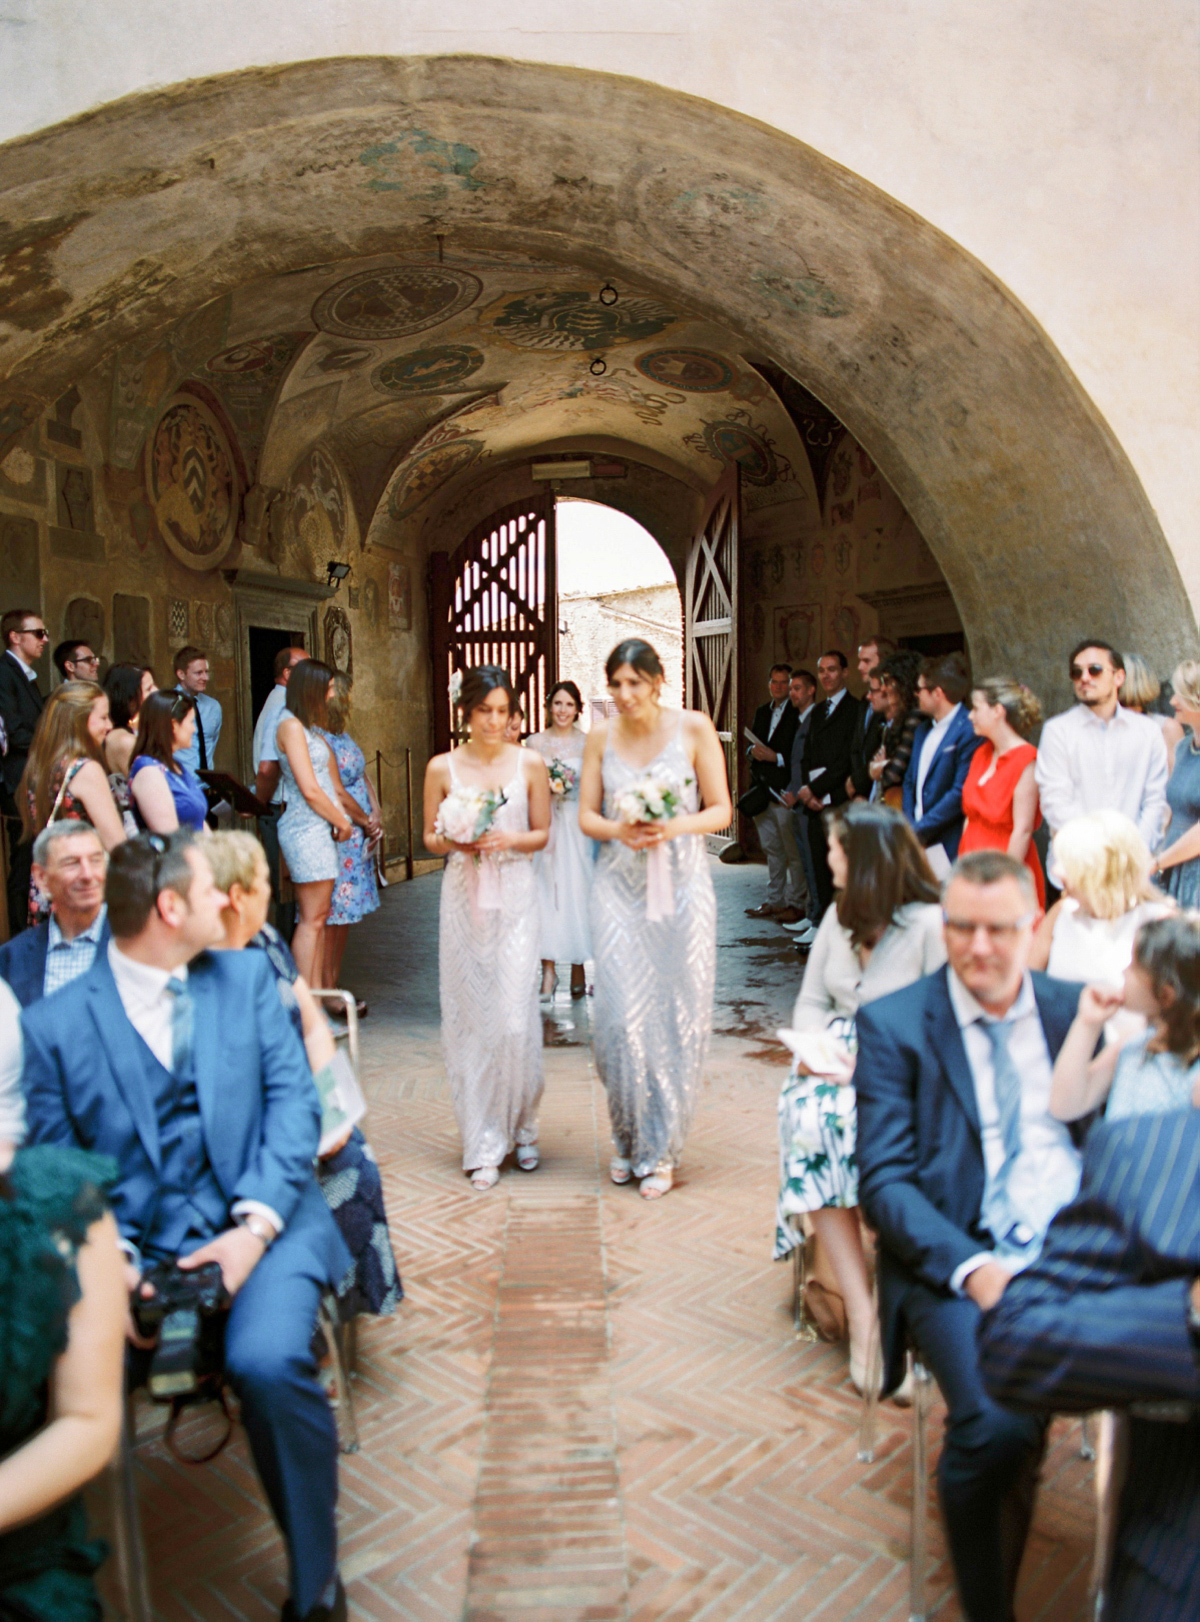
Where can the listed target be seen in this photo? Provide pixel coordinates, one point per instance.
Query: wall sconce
(335, 573)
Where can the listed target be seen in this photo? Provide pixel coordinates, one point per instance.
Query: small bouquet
(564, 779)
(657, 797)
(466, 814)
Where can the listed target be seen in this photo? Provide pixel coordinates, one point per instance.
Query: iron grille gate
(710, 619)
(494, 601)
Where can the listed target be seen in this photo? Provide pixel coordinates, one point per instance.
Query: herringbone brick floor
(589, 1407)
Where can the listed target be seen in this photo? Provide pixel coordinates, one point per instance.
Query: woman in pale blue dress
(355, 891)
(1177, 866)
(1157, 1070)
(313, 819)
(654, 944)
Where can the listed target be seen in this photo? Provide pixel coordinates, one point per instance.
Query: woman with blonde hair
(1104, 868)
(1178, 862)
(64, 777)
(1000, 795)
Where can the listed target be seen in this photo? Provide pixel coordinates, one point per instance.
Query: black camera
(187, 1313)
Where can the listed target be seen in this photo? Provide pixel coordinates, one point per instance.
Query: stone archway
(125, 219)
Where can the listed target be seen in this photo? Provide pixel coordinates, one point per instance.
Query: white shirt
(30, 672)
(929, 748)
(1086, 764)
(12, 1100)
(265, 745)
(1046, 1174)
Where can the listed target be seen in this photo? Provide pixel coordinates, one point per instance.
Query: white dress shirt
(1086, 764)
(1045, 1176)
(30, 672)
(265, 745)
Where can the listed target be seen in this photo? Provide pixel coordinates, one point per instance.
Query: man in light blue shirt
(191, 677)
(69, 864)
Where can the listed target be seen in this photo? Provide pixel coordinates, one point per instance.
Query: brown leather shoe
(789, 915)
(767, 910)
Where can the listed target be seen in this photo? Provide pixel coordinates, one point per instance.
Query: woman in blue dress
(355, 892)
(1178, 863)
(166, 795)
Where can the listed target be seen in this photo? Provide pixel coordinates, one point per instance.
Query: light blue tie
(183, 1018)
(1007, 1084)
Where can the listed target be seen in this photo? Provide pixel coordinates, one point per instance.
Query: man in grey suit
(802, 691)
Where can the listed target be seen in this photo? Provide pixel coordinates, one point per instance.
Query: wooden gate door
(493, 601)
(710, 618)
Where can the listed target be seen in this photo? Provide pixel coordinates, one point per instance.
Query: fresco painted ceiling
(413, 375)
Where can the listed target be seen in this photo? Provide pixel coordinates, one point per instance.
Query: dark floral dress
(355, 892)
(52, 1198)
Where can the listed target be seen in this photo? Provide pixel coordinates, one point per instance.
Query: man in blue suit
(69, 864)
(1109, 1317)
(942, 748)
(961, 1168)
(182, 1065)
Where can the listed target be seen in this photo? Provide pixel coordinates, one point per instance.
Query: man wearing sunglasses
(24, 637)
(75, 661)
(1100, 756)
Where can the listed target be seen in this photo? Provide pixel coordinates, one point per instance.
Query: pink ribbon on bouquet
(483, 884)
(660, 890)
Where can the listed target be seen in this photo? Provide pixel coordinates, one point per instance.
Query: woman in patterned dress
(355, 892)
(567, 865)
(488, 933)
(655, 953)
(884, 932)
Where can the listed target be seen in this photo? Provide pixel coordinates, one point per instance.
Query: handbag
(755, 800)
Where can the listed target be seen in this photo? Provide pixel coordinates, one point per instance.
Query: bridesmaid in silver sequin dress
(488, 935)
(654, 980)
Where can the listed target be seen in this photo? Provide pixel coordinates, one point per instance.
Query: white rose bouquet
(657, 797)
(466, 814)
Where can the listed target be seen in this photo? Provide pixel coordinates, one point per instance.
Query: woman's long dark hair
(1167, 951)
(481, 680)
(154, 735)
(886, 868)
(308, 692)
(636, 653)
(123, 684)
(902, 669)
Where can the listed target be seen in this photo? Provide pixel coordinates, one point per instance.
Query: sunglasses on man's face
(1079, 671)
(38, 631)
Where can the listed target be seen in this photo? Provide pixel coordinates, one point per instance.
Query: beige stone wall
(591, 626)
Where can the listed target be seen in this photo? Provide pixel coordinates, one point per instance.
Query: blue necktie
(183, 1017)
(1007, 1084)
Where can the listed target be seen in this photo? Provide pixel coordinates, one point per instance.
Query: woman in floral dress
(355, 892)
(884, 932)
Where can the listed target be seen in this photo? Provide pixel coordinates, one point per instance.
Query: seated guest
(943, 746)
(166, 793)
(69, 864)
(128, 687)
(884, 931)
(1000, 796)
(961, 1167)
(347, 1171)
(181, 1065)
(1109, 1317)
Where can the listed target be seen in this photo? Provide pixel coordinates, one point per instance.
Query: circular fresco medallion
(428, 472)
(192, 484)
(553, 319)
(395, 303)
(426, 371)
(732, 442)
(697, 371)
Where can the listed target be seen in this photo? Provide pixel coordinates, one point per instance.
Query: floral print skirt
(818, 1165)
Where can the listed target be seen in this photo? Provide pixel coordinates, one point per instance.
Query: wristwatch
(258, 1226)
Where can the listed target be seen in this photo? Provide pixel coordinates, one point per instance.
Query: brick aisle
(590, 1407)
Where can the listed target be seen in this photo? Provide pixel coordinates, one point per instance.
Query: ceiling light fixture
(578, 469)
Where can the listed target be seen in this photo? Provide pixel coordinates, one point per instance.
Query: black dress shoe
(319, 1613)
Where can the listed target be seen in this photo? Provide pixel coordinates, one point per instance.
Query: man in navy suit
(1109, 1317)
(942, 748)
(69, 864)
(961, 1168)
(183, 1066)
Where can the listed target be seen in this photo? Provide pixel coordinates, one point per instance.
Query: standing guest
(314, 823)
(128, 687)
(1000, 797)
(884, 932)
(191, 677)
(24, 640)
(802, 691)
(264, 752)
(865, 741)
(656, 948)
(1178, 863)
(1100, 756)
(775, 725)
(943, 746)
(488, 930)
(355, 891)
(75, 661)
(64, 779)
(347, 1171)
(827, 763)
(166, 794)
(69, 864)
(180, 1064)
(961, 1168)
(898, 674)
(566, 866)
(1109, 1317)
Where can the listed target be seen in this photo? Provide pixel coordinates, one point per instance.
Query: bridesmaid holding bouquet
(487, 809)
(566, 867)
(654, 784)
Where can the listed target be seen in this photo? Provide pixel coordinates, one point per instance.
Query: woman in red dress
(1000, 797)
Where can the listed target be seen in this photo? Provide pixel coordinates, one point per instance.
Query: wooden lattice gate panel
(494, 601)
(710, 618)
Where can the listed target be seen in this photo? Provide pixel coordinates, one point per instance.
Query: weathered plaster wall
(1059, 144)
(591, 626)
